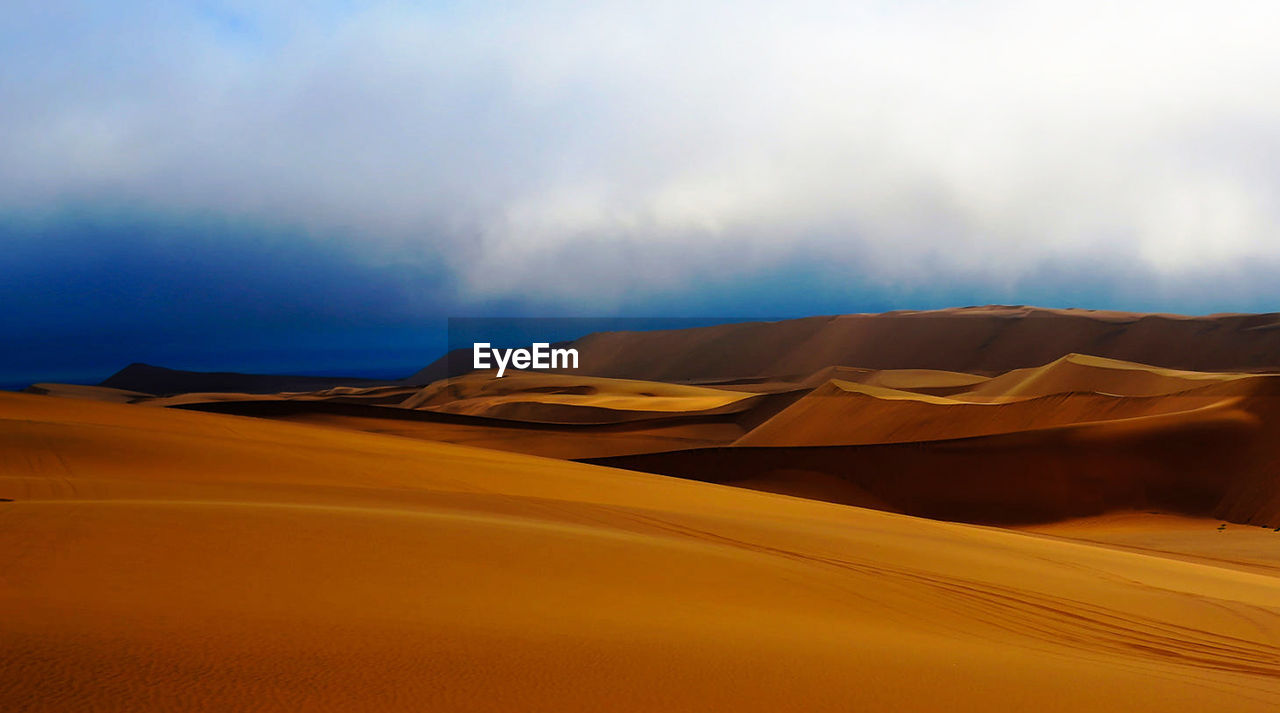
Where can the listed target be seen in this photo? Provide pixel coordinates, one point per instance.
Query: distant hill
(454, 363)
(978, 340)
(160, 381)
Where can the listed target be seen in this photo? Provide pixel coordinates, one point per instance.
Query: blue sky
(279, 185)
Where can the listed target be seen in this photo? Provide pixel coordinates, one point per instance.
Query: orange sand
(156, 559)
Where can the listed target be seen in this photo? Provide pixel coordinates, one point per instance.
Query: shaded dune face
(1187, 463)
(161, 559)
(1193, 443)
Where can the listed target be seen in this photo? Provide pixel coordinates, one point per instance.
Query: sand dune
(478, 394)
(172, 560)
(840, 413)
(978, 340)
(555, 440)
(1082, 372)
(1075, 389)
(925, 381)
(552, 415)
(581, 417)
(1217, 460)
(1080, 436)
(375, 395)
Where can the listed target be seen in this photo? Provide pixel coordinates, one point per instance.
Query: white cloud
(664, 141)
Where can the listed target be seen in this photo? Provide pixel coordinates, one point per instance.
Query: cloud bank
(607, 151)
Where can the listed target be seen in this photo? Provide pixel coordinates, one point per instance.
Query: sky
(287, 186)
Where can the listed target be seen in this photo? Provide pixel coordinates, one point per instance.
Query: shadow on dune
(1212, 461)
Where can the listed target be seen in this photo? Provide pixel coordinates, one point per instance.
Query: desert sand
(1078, 533)
(1250, 548)
(168, 560)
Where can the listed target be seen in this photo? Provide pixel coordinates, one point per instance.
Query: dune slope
(168, 560)
(839, 413)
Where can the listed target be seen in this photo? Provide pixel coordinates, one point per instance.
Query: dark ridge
(160, 381)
